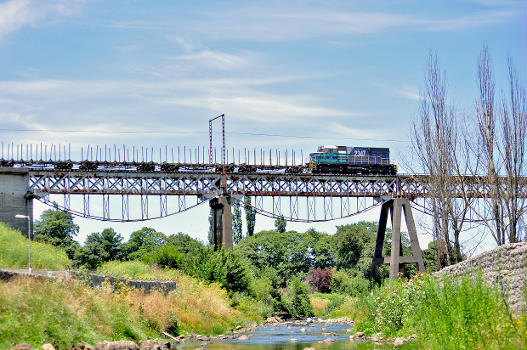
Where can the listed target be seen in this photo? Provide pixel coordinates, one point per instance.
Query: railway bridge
(163, 188)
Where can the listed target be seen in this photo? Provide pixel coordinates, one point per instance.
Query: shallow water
(291, 337)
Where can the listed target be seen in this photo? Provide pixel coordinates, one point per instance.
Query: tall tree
(501, 148)
(99, 248)
(250, 215)
(280, 224)
(56, 227)
(237, 224)
(432, 137)
(210, 235)
(145, 240)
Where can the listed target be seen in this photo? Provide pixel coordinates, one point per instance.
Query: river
(316, 335)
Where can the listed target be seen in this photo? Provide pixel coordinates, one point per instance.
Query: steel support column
(222, 221)
(395, 207)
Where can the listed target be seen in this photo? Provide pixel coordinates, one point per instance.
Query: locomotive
(351, 160)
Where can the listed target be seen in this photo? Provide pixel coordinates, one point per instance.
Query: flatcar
(351, 160)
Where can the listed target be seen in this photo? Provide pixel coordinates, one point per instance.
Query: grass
(14, 252)
(463, 313)
(65, 312)
(200, 307)
(137, 270)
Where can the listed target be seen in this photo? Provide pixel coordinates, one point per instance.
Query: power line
(306, 137)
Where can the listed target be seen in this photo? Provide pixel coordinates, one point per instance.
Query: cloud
(17, 14)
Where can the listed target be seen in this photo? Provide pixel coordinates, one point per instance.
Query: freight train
(327, 160)
(351, 160)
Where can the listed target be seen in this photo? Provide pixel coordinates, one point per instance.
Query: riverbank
(66, 312)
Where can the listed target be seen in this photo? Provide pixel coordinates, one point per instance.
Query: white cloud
(16, 14)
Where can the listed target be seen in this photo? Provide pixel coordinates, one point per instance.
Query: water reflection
(319, 336)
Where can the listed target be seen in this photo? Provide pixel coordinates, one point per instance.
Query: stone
(117, 345)
(82, 346)
(399, 341)
(238, 328)
(150, 345)
(23, 346)
(329, 340)
(309, 348)
(203, 338)
(293, 340)
(48, 346)
(243, 337)
(303, 330)
(359, 335)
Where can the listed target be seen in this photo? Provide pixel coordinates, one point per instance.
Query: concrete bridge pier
(222, 221)
(15, 199)
(396, 207)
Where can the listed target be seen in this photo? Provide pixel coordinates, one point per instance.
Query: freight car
(351, 160)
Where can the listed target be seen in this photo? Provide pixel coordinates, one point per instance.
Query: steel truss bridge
(110, 191)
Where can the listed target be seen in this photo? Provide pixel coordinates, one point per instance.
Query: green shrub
(166, 255)
(462, 313)
(343, 283)
(228, 269)
(295, 299)
(14, 252)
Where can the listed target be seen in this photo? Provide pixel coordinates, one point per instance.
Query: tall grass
(64, 312)
(137, 270)
(463, 313)
(199, 306)
(14, 252)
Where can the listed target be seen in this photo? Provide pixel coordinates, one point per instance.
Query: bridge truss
(109, 194)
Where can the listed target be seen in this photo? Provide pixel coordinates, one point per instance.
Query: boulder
(117, 345)
(150, 345)
(47, 346)
(82, 346)
(22, 346)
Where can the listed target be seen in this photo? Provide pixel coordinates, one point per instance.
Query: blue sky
(151, 73)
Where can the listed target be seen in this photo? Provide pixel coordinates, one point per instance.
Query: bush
(166, 255)
(341, 282)
(14, 252)
(320, 280)
(228, 269)
(433, 308)
(295, 299)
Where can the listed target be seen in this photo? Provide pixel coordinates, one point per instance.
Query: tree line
(488, 144)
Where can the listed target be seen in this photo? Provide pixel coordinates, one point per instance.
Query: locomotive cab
(351, 160)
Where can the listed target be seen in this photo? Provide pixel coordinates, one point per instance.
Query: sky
(287, 75)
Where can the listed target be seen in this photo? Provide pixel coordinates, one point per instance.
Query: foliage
(342, 282)
(99, 248)
(141, 242)
(295, 299)
(287, 253)
(320, 280)
(14, 252)
(326, 303)
(250, 215)
(351, 241)
(57, 228)
(227, 268)
(167, 255)
(210, 235)
(280, 224)
(432, 308)
(237, 224)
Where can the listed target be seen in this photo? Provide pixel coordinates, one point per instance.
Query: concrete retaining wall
(505, 267)
(93, 280)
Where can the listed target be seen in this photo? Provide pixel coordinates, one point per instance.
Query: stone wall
(505, 267)
(92, 280)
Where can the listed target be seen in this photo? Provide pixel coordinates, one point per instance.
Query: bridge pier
(395, 207)
(222, 221)
(15, 199)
